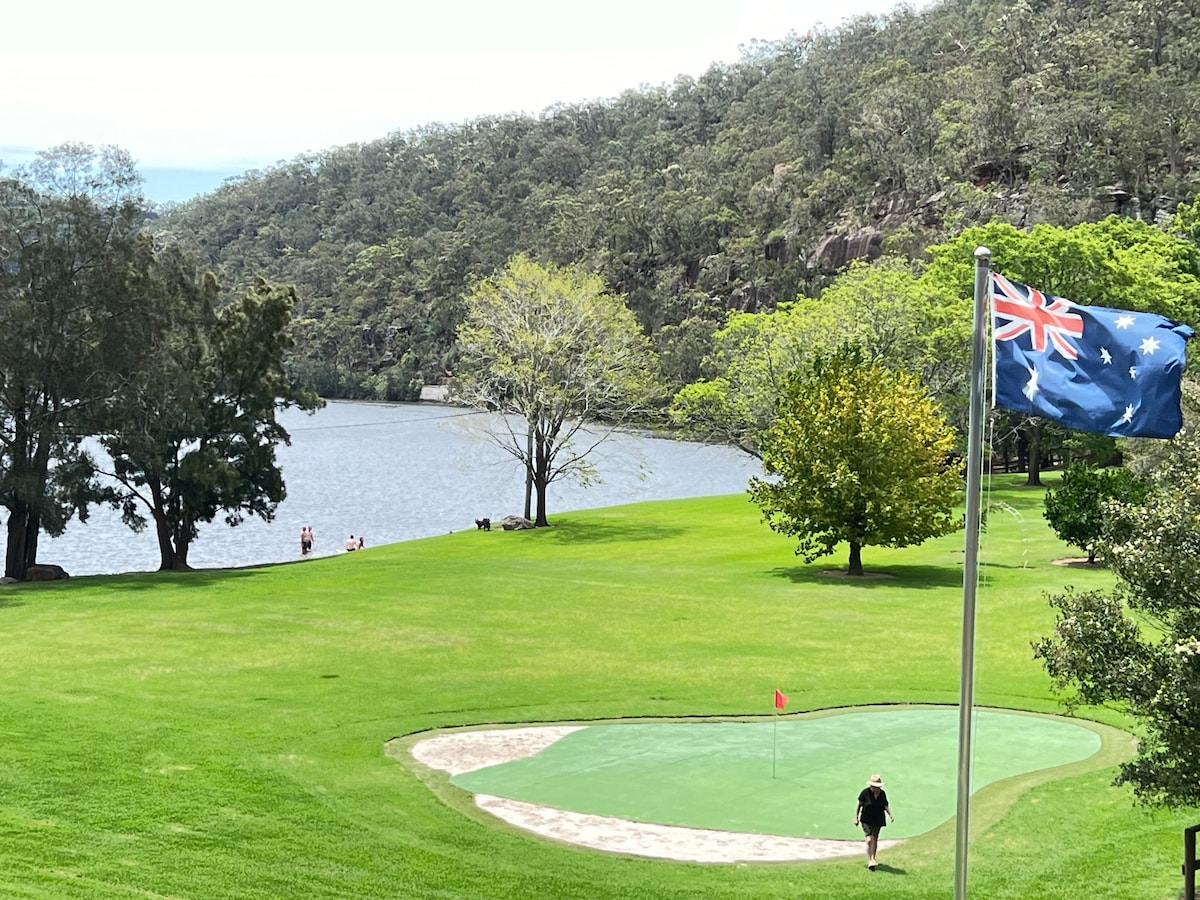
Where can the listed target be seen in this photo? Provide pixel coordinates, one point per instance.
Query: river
(394, 472)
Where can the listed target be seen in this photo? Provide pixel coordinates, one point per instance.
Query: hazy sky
(229, 85)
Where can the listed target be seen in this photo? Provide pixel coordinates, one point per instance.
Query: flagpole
(966, 701)
(780, 703)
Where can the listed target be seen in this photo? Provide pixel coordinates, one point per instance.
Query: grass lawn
(221, 734)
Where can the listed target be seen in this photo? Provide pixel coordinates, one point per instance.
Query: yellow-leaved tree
(859, 454)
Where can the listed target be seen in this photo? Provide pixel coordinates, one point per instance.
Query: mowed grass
(222, 734)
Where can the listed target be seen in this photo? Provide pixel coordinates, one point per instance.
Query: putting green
(719, 774)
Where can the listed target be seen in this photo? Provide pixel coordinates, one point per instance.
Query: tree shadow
(905, 576)
(605, 532)
(132, 582)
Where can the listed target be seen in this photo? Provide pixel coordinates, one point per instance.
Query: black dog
(483, 524)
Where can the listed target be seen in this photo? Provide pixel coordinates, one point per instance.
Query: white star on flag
(1031, 386)
(1124, 321)
(1149, 345)
(1105, 356)
(1128, 417)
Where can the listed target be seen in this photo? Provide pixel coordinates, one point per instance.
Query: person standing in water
(870, 812)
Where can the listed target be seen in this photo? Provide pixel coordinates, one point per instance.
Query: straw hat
(875, 781)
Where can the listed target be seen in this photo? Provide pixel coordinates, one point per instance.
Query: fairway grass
(221, 733)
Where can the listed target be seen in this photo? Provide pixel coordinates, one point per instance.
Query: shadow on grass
(891, 577)
(891, 870)
(150, 581)
(605, 532)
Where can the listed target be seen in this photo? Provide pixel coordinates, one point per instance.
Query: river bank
(392, 472)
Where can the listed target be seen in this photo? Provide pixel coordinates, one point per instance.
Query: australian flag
(1095, 369)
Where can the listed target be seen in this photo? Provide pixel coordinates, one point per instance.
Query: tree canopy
(883, 308)
(857, 454)
(734, 191)
(1137, 647)
(549, 350)
(114, 335)
(1077, 509)
(192, 435)
(68, 238)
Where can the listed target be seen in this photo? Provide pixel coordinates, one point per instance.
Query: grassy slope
(222, 734)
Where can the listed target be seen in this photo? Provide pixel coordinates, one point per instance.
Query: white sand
(465, 751)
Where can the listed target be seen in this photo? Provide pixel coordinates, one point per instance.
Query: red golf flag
(780, 699)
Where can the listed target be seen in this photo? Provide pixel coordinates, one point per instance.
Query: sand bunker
(465, 751)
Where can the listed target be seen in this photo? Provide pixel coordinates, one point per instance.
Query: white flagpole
(774, 736)
(966, 700)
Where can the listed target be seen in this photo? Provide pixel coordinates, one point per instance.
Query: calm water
(393, 472)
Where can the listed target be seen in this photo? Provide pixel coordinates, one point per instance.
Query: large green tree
(1076, 510)
(881, 307)
(1137, 647)
(550, 351)
(1117, 262)
(858, 454)
(192, 435)
(68, 226)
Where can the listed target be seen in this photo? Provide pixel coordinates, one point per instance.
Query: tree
(1137, 647)
(1119, 263)
(1077, 510)
(751, 357)
(550, 351)
(68, 223)
(882, 308)
(192, 434)
(859, 454)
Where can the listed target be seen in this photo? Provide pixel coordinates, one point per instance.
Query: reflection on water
(392, 472)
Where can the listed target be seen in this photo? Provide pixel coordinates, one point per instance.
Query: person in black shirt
(870, 812)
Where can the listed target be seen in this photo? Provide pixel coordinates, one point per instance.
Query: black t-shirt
(873, 806)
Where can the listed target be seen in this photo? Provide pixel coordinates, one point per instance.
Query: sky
(200, 91)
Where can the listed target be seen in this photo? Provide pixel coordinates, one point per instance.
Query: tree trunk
(529, 473)
(172, 547)
(15, 557)
(33, 527)
(855, 559)
(182, 545)
(166, 550)
(1034, 478)
(540, 481)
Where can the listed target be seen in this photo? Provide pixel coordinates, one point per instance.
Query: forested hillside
(737, 190)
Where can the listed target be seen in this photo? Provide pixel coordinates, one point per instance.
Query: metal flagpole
(966, 701)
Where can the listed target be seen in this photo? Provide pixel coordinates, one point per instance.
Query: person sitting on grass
(351, 543)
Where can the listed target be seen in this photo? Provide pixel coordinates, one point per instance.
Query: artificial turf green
(797, 777)
(222, 733)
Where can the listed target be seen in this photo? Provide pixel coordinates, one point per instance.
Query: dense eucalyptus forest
(742, 189)
(826, 188)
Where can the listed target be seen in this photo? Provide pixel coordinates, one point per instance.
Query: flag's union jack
(1044, 316)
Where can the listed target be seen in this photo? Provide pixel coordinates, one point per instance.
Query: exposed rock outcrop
(833, 251)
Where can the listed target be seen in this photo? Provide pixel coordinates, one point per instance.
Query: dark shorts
(871, 830)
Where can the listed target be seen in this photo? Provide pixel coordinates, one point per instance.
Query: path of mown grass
(221, 734)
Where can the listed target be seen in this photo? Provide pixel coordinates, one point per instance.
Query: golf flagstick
(780, 703)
